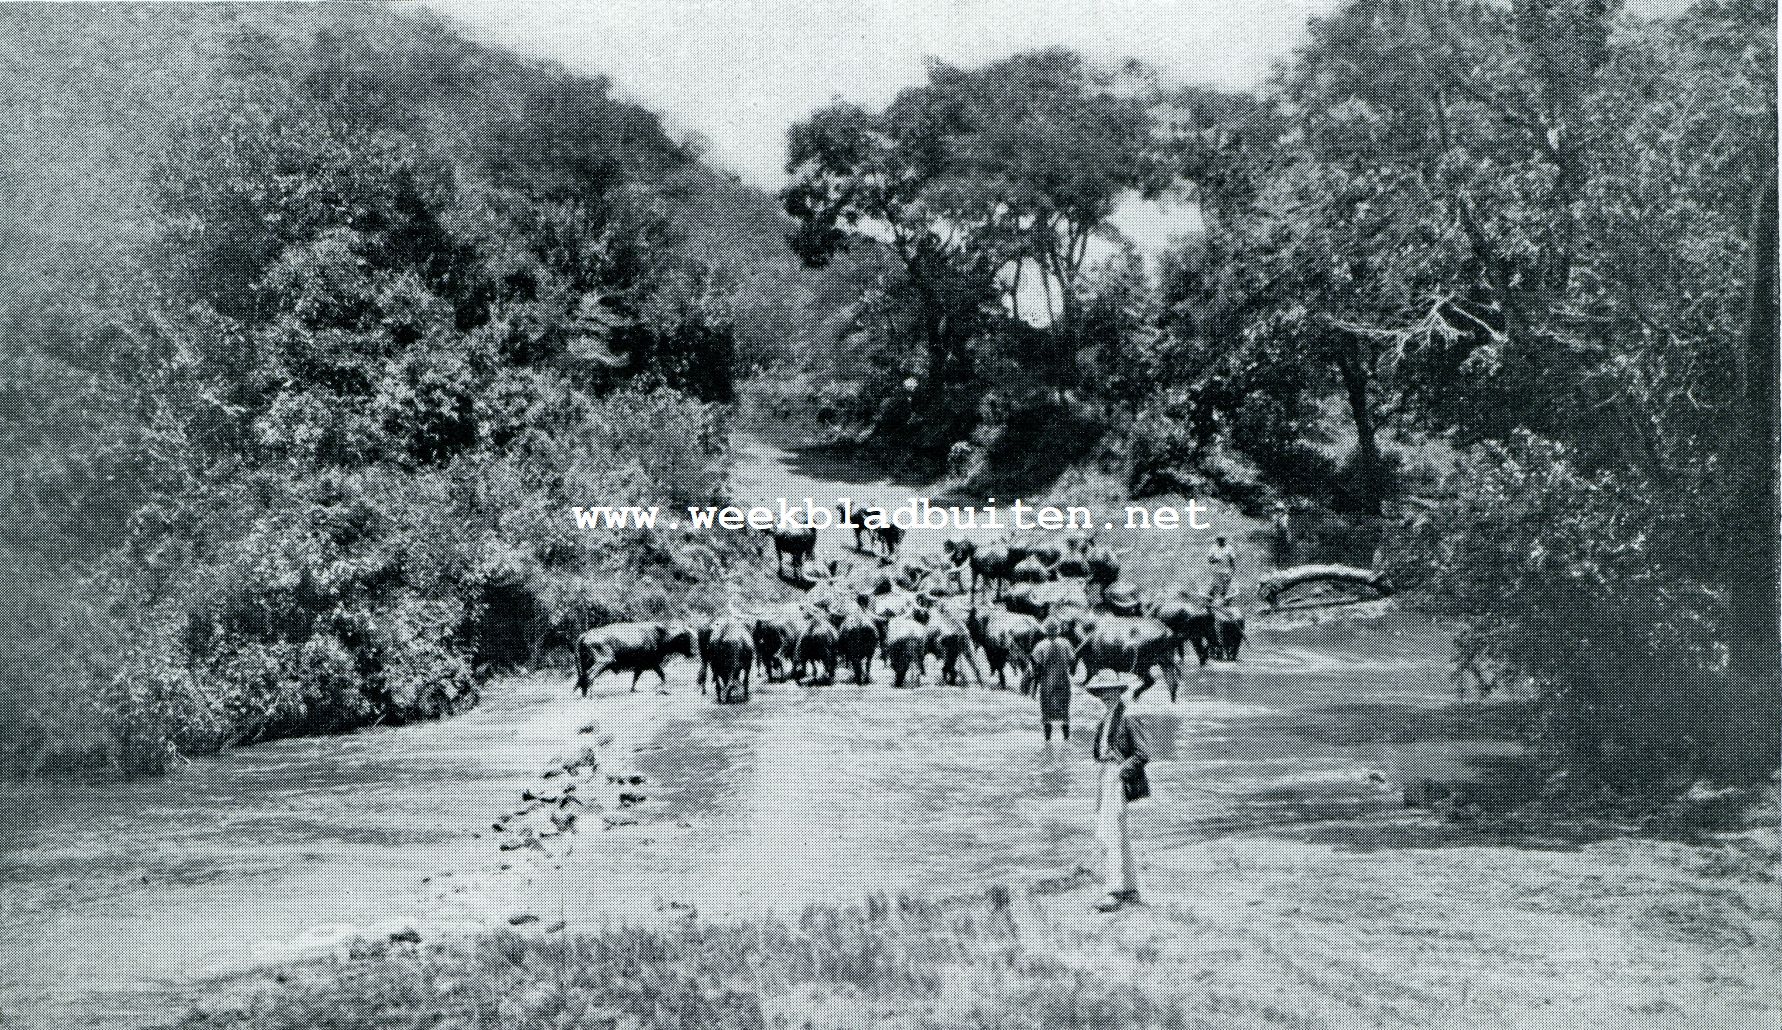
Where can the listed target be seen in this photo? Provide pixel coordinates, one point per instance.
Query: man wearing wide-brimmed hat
(1121, 754)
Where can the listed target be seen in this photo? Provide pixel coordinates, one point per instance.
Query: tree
(1641, 504)
(1547, 234)
(976, 177)
(886, 174)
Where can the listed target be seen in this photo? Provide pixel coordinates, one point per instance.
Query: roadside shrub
(1584, 584)
(292, 605)
(1165, 451)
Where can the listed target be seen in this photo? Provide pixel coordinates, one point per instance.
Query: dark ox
(992, 564)
(856, 640)
(795, 542)
(906, 642)
(956, 554)
(634, 647)
(948, 641)
(1191, 624)
(884, 537)
(889, 538)
(1132, 644)
(1031, 570)
(815, 649)
(774, 636)
(1102, 567)
(727, 648)
(1008, 640)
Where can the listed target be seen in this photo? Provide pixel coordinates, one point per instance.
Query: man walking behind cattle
(1053, 660)
(1223, 560)
(1120, 753)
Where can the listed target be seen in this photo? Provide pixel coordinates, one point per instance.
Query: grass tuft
(887, 962)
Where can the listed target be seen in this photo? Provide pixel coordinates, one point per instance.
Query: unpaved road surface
(1280, 866)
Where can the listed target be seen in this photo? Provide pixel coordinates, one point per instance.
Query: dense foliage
(972, 181)
(298, 458)
(1536, 239)
(1546, 233)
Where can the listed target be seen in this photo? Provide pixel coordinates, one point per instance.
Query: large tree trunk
(1369, 469)
(1755, 641)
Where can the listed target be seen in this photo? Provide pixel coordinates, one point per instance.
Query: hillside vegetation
(314, 320)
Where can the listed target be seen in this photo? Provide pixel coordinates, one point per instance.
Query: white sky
(740, 72)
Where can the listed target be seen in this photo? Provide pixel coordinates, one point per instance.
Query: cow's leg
(971, 666)
(600, 665)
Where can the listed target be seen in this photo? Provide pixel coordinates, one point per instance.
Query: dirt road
(1282, 871)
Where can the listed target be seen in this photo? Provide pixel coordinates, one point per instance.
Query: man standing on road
(1053, 659)
(1282, 535)
(1120, 755)
(1223, 560)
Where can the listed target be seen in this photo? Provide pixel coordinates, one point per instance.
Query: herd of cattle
(904, 612)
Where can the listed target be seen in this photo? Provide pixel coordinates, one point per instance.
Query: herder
(1282, 535)
(1223, 560)
(1120, 753)
(1053, 660)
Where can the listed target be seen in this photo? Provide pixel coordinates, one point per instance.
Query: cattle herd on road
(902, 613)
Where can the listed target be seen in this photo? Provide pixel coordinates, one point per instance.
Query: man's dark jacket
(1125, 740)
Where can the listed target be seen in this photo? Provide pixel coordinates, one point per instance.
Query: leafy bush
(1586, 587)
(1165, 449)
(352, 403)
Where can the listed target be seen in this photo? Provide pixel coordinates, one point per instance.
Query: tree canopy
(978, 178)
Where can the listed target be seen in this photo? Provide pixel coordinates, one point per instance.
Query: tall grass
(982, 962)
